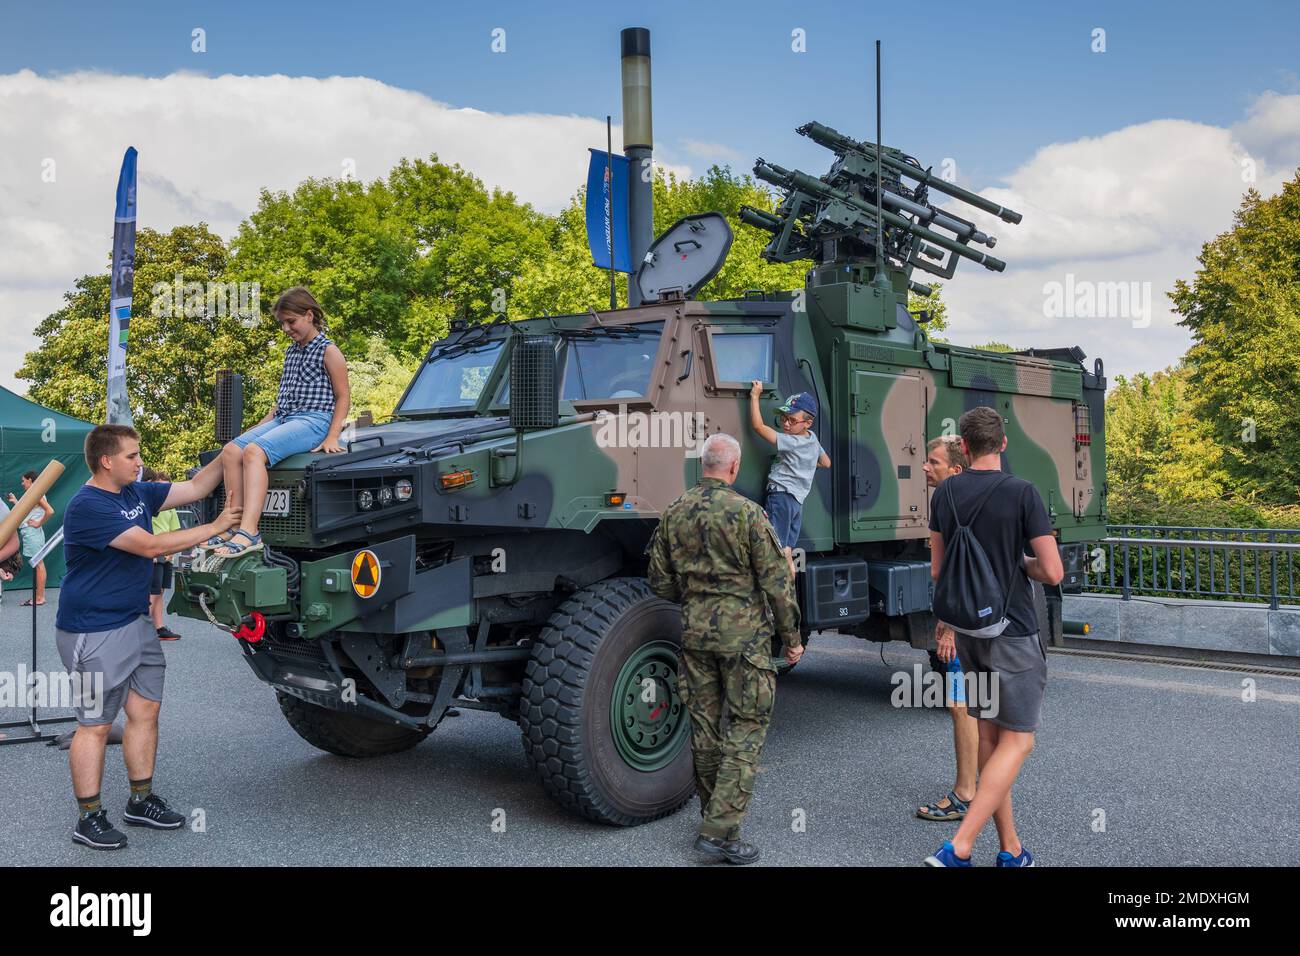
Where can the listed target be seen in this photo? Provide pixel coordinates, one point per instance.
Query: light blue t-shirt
(796, 463)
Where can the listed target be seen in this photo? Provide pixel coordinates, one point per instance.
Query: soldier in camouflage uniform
(716, 554)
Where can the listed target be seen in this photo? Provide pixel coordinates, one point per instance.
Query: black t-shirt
(1012, 516)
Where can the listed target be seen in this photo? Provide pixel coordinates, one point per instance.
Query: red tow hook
(252, 633)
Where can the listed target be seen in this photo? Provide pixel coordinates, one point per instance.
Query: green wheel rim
(647, 716)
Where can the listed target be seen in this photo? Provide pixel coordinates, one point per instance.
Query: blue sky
(987, 82)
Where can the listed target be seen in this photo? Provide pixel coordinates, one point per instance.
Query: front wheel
(346, 734)
(603, 724)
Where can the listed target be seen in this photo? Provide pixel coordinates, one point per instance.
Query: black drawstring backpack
(968, 597)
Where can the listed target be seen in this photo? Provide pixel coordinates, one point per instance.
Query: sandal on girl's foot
(217, 540)
(955, 810)
(233, 547)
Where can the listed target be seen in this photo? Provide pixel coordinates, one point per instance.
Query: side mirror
(534, 395)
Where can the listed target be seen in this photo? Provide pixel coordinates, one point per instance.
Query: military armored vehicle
(484, 549)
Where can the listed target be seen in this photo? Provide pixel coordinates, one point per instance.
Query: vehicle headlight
(404, 489)
(385, 496)
(365, 500)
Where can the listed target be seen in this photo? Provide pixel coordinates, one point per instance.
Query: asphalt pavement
(1136, 764)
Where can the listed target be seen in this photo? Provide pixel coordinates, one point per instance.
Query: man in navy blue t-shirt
(103, 629)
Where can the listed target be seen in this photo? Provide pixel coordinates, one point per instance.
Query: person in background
(944, 458)
(163, 570)
(32, 537)
(10, 563)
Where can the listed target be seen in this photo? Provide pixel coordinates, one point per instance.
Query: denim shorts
(786, 514)
(287, 435)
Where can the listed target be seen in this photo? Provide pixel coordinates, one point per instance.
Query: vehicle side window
(744, 356)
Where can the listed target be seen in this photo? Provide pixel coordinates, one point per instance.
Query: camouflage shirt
(716, 554)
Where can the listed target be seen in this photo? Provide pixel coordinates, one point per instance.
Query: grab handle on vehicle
(690, 362)
(357, 441)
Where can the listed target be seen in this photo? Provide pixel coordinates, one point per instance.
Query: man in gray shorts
(103, 630)
(1006, 674)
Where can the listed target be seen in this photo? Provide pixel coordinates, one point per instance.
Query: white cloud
(208, 144)
(1134, 205)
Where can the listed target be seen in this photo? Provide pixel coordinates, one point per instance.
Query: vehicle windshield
(607, 365)
(452, 381)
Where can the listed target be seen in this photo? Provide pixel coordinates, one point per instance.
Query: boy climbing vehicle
(308, 415)
(799, 455)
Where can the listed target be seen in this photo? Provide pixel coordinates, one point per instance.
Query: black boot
(733, 851)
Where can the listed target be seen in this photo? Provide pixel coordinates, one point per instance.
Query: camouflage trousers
(729, 698)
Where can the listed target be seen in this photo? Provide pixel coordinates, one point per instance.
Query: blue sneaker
(946, 856)
(1024, 859)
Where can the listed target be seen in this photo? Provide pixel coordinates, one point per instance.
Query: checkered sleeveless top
(305, 385)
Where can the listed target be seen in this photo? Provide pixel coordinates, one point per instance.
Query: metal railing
(1237, 564)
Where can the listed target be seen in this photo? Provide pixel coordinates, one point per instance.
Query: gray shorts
(110, 663)
(1006, 677)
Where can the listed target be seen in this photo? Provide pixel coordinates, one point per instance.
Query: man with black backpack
(982, 522)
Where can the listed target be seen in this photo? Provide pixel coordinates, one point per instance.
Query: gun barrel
(793, 178)
(760, 219)
(833, 139)
(929, 214)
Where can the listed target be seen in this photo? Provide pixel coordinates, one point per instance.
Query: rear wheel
(603, 723)
(346, 734)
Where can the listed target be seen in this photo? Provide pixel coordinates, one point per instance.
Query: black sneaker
(153, 812)
(165, 633)
(733, 851)
(97, 833)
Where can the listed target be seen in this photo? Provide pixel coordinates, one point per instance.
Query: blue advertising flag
(604, 198)
(118, 411)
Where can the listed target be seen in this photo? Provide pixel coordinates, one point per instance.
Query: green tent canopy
(31, 436)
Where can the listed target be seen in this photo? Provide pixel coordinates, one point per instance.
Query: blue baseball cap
(800, 402)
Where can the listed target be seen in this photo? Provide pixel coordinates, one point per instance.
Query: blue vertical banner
(607, 210)
(118, 410)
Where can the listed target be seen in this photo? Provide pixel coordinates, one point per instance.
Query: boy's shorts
(288, 435)
(786, 514)
(1019, 664)
(111, 663)
(162, 577)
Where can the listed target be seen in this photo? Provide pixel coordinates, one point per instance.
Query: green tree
(397, 258)
(565, 282)
(173, 352)
(1154, 443)
(378, 379)
(1243, 311)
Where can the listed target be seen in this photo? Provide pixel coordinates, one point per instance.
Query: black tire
(564, 707)
(345, 734)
